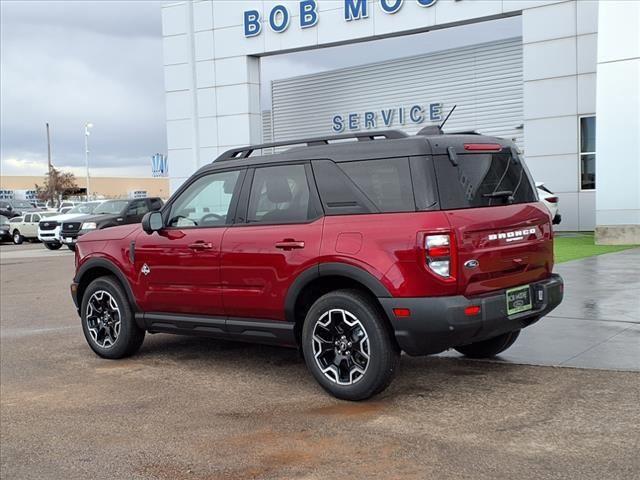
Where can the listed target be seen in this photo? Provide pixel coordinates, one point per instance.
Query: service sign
(387, 117)
(308, 15)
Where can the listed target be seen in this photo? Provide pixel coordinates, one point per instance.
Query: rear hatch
(503, 234)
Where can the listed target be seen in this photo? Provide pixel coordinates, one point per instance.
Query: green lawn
(572, 246)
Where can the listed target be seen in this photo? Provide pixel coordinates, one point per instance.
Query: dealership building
(565, 87)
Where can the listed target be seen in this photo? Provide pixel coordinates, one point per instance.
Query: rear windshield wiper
(508, 194)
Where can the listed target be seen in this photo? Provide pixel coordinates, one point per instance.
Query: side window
(206, 202)
(155, 204)
(280, 195)
(35, 218)
(386, 182)
(27, 218)
(137, 208)
(338, 194)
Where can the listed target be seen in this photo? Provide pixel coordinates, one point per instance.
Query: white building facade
(576, 65)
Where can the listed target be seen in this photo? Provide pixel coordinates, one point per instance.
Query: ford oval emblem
(471, 264)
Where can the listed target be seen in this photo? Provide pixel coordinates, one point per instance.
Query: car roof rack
(245, 152)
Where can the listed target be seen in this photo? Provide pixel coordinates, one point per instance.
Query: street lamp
(87, 127)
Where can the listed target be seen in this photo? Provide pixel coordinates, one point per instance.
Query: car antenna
(445, 120)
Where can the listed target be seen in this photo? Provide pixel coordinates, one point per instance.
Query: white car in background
(49, 228)
(550, 199)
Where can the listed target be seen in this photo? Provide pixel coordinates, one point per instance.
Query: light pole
(87, 127)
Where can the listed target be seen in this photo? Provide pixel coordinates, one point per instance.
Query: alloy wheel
(341, 346)
(103, 319)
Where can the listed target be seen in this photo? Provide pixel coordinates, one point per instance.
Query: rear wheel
(348, 346)
(107, 320)
(17, 237)
(489, 348)
(52, 245)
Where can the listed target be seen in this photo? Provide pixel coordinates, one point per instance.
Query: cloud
(67, 63)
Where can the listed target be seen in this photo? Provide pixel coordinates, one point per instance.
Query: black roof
(360, 146)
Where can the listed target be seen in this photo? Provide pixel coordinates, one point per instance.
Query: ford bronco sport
(352, 251)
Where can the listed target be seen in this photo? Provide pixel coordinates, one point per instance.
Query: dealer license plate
(518, 300)
(68, 240)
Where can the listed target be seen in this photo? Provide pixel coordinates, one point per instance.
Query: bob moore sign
(387, 117)
(279, 17)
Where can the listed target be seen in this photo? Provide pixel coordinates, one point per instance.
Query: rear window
(483, 180)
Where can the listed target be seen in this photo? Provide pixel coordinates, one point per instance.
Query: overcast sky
(68, 63)
(72, 62)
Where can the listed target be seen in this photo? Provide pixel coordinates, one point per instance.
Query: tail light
(440, 255)
(482, 147)
(552, 199)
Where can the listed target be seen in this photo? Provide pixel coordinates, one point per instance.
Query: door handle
(201, 246)
(289, 244)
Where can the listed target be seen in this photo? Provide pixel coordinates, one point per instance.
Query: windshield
(111, 206)
(20, 204)
(483, 180)
(84, 208)
(3, 220)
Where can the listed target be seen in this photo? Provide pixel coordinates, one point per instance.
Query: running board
(272, 332)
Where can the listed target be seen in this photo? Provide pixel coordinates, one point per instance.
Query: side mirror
(152, 222)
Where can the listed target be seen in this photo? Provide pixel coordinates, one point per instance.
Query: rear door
(277, 236)
(31, 228)
(503, 234)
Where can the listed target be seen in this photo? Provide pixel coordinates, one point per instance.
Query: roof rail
(244, 152)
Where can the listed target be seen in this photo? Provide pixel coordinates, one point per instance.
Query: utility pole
(87, 127)
(51, 180)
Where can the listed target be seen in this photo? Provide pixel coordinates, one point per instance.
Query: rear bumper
(439, 323)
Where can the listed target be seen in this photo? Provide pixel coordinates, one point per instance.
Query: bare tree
(56, 185)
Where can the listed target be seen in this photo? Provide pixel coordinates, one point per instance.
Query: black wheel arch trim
(326, 270)
(108, 265)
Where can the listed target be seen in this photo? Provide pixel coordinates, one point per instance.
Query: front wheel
(489, 348)
(52, 245)
(17, 237)
(71, 246)
(348, 346)
(108, 322)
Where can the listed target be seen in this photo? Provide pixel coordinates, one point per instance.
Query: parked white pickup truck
(25, 227)
(49, 228)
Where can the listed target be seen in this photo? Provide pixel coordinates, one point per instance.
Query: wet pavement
(598, 323)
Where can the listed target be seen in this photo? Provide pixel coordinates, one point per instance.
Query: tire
(489, 348)
(357, 377)
(71, 247)
(113, 341)
(17, 238)
(52, 245)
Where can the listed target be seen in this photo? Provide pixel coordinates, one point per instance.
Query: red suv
(352, 251)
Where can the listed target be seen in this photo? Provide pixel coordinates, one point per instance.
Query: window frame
(242, 212)
(233, 206)
(581, 153)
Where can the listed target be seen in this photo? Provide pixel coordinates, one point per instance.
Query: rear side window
(483, 180)
(365, 186)
(386, 182)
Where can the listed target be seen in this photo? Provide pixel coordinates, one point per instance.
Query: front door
(276, 237)
(179, 266)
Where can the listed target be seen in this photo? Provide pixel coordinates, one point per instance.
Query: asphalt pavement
(195, 408)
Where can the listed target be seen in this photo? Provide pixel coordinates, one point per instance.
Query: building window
(588, 153)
